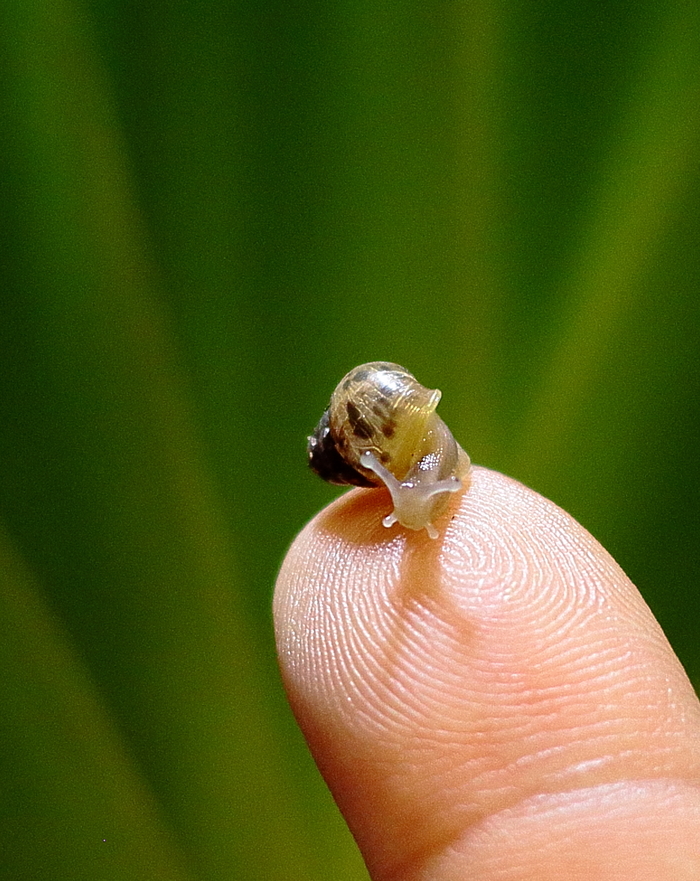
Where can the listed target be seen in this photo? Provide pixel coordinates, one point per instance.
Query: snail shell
(381, 428)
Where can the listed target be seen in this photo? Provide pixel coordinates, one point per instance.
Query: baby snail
(381, 428)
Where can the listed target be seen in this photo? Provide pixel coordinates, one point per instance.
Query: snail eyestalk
(416, 503)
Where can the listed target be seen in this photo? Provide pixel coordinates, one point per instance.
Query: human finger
(496, 704)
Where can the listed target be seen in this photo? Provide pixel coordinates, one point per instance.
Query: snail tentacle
(414, 500)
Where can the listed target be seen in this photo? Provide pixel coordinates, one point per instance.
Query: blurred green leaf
(73, 804)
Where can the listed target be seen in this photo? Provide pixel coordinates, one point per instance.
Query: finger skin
(498, 704)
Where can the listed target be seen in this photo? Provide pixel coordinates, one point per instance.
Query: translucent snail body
(381, 428)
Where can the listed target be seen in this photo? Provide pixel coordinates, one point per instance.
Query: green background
(210, 212)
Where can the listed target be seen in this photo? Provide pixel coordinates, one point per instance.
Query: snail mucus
(381, 429)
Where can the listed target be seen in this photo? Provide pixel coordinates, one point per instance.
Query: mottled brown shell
(381, 428)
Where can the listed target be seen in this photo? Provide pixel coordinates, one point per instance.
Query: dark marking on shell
(360, 427)
(381, 411)
(359, 375)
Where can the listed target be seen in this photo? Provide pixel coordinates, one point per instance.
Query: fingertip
(442, 682)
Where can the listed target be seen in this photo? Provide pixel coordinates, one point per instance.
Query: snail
(381, 428)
